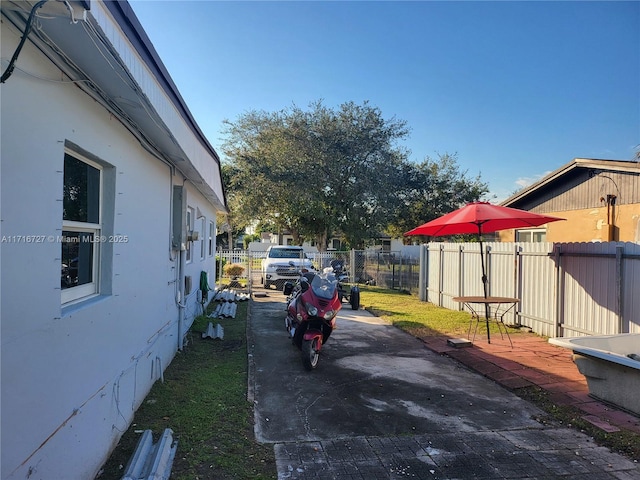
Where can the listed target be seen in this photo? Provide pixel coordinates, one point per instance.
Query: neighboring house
(600, 200)
(285, 238)
(334, 243)
(104, 174)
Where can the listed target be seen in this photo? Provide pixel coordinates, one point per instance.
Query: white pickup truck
(276, 268)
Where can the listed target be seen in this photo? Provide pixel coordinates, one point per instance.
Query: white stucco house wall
(104, 173)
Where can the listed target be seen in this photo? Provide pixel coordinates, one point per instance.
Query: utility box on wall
(179, 236)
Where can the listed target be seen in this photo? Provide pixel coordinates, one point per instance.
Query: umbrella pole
(484, 283)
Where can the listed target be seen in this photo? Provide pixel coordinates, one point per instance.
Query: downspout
(179, 239)
(172, 172)
(182, 301)
(181, 306)
(176, 252)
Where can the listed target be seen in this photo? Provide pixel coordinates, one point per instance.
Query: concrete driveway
(382, 406)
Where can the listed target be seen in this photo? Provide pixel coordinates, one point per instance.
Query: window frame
(212, 229)
(532, 233)
(203, 246)
(189, 220)
(87, 290)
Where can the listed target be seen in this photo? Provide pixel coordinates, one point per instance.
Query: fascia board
(145, 68)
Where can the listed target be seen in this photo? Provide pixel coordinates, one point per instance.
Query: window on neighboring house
(212, 235)
(190, 223)
(531, 235)
(203, 243)
(81, 228)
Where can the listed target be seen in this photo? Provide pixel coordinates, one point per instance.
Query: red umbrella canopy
(479, 218)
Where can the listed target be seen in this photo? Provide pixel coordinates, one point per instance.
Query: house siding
(581, 189)
(590, 225)
(578, 193)
(73, 377)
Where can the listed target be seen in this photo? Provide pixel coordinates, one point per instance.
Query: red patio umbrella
(478, 218)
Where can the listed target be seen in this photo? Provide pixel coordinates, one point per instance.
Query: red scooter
(311, 312)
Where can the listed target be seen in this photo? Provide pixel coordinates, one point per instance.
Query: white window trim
(530, 231)
(203, 242)
(189, 217)
(212, 227)
(87, 290)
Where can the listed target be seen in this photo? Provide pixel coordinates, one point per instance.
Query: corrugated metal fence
(565, 289)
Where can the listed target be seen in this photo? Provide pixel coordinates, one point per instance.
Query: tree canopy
(322, 171)
(436, 187)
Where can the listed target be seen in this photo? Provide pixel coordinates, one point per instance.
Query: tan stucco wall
(590, 225)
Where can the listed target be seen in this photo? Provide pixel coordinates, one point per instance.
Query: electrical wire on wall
(111, 57)
(609, 199)
(7, 73)
(45, 79)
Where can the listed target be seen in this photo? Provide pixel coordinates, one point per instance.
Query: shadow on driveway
(381, 405)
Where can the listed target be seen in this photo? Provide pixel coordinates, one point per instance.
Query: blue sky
(516, 89)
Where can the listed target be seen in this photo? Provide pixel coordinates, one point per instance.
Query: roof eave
(589, 163)
(107, 53)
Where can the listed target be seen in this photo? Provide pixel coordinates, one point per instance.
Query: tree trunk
(322, 242)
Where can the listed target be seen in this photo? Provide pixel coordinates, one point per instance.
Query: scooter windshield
(324, 285)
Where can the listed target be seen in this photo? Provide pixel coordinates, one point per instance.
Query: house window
(81, 228)
(203, 243)
(190, 222)
(212, 230)
(531, 235)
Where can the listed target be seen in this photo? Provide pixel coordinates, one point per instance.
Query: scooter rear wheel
(354, 299)
(310, 353)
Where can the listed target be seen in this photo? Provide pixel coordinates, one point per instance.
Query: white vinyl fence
(565, 289)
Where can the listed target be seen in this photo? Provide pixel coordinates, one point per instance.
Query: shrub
(233, 270)
(221, 263)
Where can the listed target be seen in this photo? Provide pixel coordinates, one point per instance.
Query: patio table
(502, 306)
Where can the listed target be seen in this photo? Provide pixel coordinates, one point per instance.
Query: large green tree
(317, 171)
(433, 188)
(322, 171)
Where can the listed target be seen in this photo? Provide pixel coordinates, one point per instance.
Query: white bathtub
(612, 376)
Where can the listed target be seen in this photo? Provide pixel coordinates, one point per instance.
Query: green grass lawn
(204, 396)
(204, 401)
(420, 319)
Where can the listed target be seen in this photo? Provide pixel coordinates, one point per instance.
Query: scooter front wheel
(310, 353)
